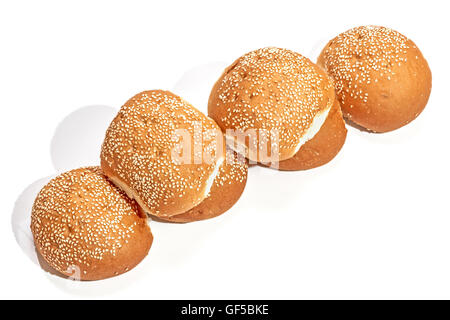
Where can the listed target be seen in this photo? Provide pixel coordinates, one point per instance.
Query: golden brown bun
(138, 147)
(272, 89)
(323, 147)
(85, 227)
(226, 190)
(382, 80)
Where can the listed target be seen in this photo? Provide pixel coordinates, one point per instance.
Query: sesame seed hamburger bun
(88, 229)
(138, 153)
(272, 90)
(382, 80)
(226, 190)
(323, 147)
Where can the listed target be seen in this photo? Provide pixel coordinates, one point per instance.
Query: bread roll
(138, 153)
(87, 228)
(382, 80)
(271, 90)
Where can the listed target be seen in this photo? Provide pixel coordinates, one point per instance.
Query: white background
(374, 223)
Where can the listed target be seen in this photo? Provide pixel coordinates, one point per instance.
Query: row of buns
(92, 222)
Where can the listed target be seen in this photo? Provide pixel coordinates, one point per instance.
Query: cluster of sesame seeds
(272, 88)
(139, 144)
(361, 56)
(80, 217)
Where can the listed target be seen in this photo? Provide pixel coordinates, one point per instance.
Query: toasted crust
(137, 153)
(323, 147)
(382, 80)
(225, 191)
(86, 228)
(271, 89)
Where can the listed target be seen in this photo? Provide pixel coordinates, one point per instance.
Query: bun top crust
(139, 146)
(382, 80)
(80, 219)
(272, 88)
